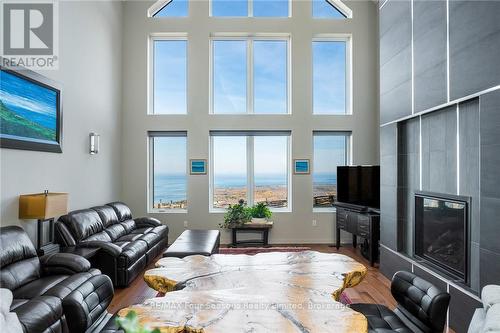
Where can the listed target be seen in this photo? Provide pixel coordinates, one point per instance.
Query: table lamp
(44, 207)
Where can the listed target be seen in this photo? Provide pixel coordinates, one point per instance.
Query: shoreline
(276, 196)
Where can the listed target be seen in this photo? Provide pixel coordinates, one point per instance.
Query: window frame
(250, 153)
(159, 5)
(250, 12)
(348, 158)
(347, 38)
(151, 68)
(250, 96)
(339, 5)
(151, 135)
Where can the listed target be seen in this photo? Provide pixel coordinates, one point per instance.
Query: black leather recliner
(40, 286)
(421, 307)
(126, 245)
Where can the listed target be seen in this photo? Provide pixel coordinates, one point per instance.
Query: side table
(262, 228)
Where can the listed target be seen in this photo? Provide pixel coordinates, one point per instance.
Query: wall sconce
(94, 143)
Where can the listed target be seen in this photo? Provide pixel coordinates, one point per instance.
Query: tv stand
(364, 223)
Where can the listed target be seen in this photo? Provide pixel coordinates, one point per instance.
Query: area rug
(255, 250)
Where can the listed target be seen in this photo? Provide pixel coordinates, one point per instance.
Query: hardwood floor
(375, 288)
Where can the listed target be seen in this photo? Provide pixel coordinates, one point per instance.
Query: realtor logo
(29, 34)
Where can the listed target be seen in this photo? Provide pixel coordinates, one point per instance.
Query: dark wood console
(363, 223)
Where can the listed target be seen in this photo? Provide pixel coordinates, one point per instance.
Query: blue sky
(329, 77)
(176, 8)
(238, 8)
(170, 82)
(230, 76)
(329, 151)
(170, 155)
(322, 9)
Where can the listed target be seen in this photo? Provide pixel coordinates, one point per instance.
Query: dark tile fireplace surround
(440, 133)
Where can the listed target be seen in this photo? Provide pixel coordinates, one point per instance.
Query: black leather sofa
(421, 308)
(41, 286)
(125, 245)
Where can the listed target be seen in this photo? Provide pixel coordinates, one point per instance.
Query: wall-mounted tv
(359, 185)
(30, 111)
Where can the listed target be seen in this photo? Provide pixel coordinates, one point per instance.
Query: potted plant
(261, 213)
(236, 215)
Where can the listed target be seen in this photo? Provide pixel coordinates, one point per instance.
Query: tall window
(250, 8)
(244, 80)
(331, 149)
(252, 166)
(169, 79)
(331, 78)
(168, 179)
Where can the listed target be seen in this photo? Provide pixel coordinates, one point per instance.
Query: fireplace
(441, 233)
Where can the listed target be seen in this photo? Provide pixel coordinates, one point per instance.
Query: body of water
(170, 187)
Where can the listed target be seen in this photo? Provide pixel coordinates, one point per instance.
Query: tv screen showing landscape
(359, 185)
(29, 111)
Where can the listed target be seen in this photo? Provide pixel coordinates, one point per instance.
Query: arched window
(169, 8)
(335, 9)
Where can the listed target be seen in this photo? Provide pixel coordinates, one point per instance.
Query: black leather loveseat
(126, 245)
(42, 287)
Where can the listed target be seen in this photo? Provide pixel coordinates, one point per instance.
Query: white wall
(295, 227)
(90, 41)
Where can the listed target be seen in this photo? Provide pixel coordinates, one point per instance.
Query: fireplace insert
(441, 232)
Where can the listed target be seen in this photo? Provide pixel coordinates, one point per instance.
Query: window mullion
(250, 8)
(250, 170)
(250, 92)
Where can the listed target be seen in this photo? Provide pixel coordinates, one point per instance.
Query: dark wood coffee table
(262, 228)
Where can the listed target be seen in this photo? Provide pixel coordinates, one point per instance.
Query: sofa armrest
(63, 263)
(106, 247)
(86, 306)
(147, 222)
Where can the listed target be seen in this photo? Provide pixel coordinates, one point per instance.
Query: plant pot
(258, 220)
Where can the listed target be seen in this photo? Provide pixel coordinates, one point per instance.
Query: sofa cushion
(102, 236)
(71, 283)
(132, 252)
(142, 230)
(161, 230)
(107, 215)
(129, 225)
(18, 258)
(129, 237)
(121, 210)
(115, 231)
(83, 223)
(38, 287)
(40, 313)
(151, 239)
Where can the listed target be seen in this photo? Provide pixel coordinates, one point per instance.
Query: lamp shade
(42, 206)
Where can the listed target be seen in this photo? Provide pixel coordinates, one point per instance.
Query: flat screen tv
(359, 185)
(30, 111)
